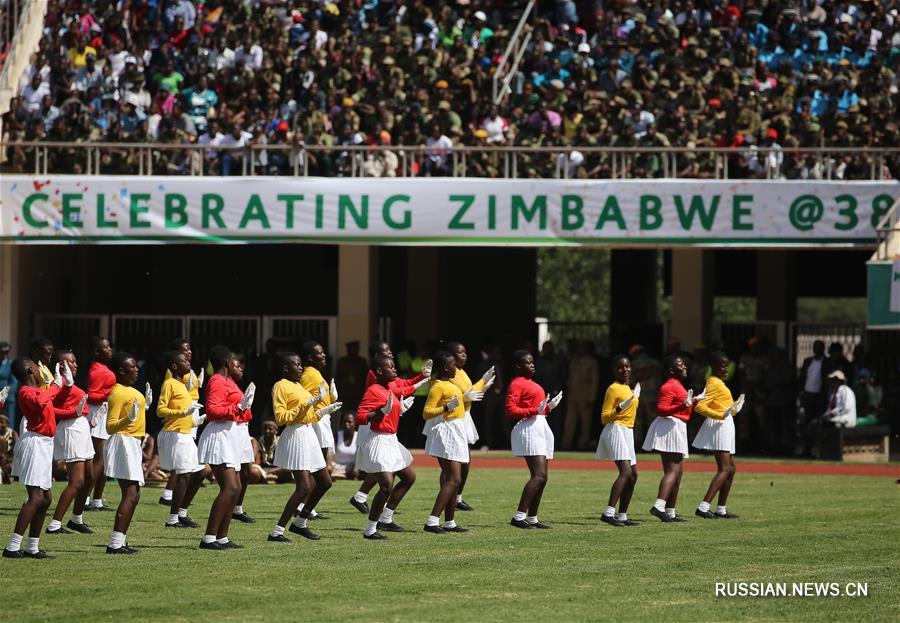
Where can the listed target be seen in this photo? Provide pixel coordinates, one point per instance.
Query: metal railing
(887, 234)
(560, 162)
(512, 56)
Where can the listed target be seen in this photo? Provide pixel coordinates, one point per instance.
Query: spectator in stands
(581, 395)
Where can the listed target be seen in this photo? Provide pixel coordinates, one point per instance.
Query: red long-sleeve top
(37, 405)
(371, 379)
(375, 397)
(523, 397)
(222, 398)
(66, 402)
(100, 382)
(672, 395)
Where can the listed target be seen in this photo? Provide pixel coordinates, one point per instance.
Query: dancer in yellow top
(314, 362)
(617, 440)
(717, 435)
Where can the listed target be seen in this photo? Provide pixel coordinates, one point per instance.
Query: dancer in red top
(531, 437)
(668, 436)
(382, 455)
(35, 448)
(100, 382)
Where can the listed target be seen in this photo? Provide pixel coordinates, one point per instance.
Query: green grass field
(792, 529)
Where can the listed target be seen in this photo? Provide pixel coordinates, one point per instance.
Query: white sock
(371, 527)
(182, 512)
(239, 509)
(450, 524)
(720, 510)
(432, 521)
(670, 512)
(704, 507)
(208, 538)
(459, 498)
(313, 513)
(167, 495)
(660, 504)
(95, 503)
(116, 540)
(222, 541)
(532, 520)
(54, 525)
(360, 497)
(277, 530)
(519, 516)
(15, 542)
(300, 508)
(173, 518)
(610, 511)
(387, 515)
(33, 545)
(79, 519)
(622, 516)
(300, 522)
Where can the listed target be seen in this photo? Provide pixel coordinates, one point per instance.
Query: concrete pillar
(422, 277)
(9, 297)
(357, 288)
(692, 289)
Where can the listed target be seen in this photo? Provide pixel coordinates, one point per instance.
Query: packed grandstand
(765, 77)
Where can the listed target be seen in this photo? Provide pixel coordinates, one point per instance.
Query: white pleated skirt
(324, 433)
(383, 452)
(362, 434)
(532, 437)
(122, 458)
(716, 435)
(34, 453)
(72, 441)
(99, 431)
(471, 431)
(217, 445)
(178, 451)
(298, 449)
(667, 434)
(617, 444)
(242, 444)
(448, 440)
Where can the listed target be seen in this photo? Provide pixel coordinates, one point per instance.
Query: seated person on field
(257, 474)
(267, 444)
(344, 458)
(150, 460)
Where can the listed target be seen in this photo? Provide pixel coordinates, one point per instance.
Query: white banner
(442, 211)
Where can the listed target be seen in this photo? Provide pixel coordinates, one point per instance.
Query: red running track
(652, 463)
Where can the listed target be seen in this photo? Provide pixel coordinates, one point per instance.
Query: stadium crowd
(762, 76)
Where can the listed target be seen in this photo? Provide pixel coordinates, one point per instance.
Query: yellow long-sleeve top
(121, 401)
(289, 400)
(46, 376)
(616, 393)
(462, 381)
(195, 391)
(174, 400)
(311, 379)
(718, 398)
(439, 394)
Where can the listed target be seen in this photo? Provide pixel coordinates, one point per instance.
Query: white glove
(543, 406)
(247, 400)
(406, 403)
(201, 377)
(312, 400)
(135, 410)
(80, 408)
(67, 375)
(701, 395)
(473, 396)
(57, 377)
(4, 394)
(419, 384)
(323, 390)
(329, 409)
(729, 411)
(334, 391)
(99, 415)
(192, 380)
(554, 402)
(637, 390)
(690, 398)
(197, 419)
(148, 396)
(488, 377)
(450, 406)
(739, 404)
(427, 367)
(625, 404)
(193, 409)
(388, 405)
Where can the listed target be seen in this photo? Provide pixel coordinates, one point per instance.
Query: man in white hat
(841, 402)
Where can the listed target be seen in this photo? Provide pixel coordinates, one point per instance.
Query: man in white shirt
(232, 149)
(33, 93)
(842, 402)
(439, 147)
(250, 54)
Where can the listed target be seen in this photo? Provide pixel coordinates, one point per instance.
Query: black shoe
(375, 536)
(521, 523)
(631, 522)
(10, 554)
(98, 508)
(304, 532)
(459, 529)
(362, 507)
(187, 522)
(434, 529)
(231, 545)
(541, 526)
(213, 545)
(704, 514)
(661, 515)
(389, 527)
(40, 554)
(725, 515)
(462, 506)
(120, 550)
(57, 531)
(79, 527)
(611, 520)
(165, 502)
(176, 525)
(280, 538)
(678, 519)
(243, 517)
(317, 517)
